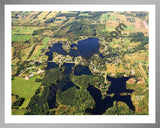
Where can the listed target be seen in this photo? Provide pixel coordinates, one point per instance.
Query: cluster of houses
(39, 72)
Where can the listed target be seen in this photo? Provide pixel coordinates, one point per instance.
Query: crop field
(38, 48)
(42, 15)
(69, 12)
(121, 17)
(137, 57)
(25, 52)
(130, 27)
(25, 89)
(35, 51)
(32, 15)
(112, 23)
(52, 14)
(24, 30)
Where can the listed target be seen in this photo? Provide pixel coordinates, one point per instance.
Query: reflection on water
(62, 84)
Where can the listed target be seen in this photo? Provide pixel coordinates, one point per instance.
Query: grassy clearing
(24, 88)
(21, 37)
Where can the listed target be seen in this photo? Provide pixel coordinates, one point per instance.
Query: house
(133, 72)
(26, 77)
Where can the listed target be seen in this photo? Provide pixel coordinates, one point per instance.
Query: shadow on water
(63, 84)
(118, 85)
(51, 65)
(81, 69)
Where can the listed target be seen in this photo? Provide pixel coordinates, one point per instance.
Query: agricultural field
(51, 15)
(24, 30)
(43, 15)
(21, 37)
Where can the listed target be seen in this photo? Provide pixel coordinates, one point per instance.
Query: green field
(130, 27)
(23, 30)
(25, 89)
(21, 37)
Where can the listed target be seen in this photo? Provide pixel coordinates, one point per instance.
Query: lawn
(24, 88)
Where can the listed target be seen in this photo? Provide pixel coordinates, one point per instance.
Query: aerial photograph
(79, 63)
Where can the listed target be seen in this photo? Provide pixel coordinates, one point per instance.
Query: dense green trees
(73, 30)
(38, 32)
(139, 36)
(83, 80)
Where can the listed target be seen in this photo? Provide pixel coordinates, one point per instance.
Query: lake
(118, 86)
(85, 48)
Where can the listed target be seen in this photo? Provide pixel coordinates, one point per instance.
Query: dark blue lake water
(82, 70)
(118, 86)
(85, 48)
